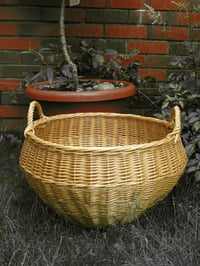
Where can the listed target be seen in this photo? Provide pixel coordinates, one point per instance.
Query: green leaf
(197, 155)
(196, 126)
(112, 52)
(190, 149)
(159, 116)
(197, 176)
(192, 162)
(74, 2)
(193, 97)
(192, 114)
(173, 85)
(165, 105)
(191, 169)
(193, 119)
(181, 104)
(50, 75)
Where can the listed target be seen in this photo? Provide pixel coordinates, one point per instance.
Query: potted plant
(63, 90)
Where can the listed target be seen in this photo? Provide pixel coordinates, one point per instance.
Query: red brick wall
(26, 23)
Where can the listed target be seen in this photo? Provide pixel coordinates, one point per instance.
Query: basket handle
(31, 110)
(175, 122)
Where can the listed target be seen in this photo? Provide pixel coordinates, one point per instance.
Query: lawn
(32, 234)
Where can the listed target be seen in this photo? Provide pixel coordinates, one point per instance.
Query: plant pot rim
(83, 96)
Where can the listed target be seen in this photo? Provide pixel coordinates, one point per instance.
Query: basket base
(76, 204)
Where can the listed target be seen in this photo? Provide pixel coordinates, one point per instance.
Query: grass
(32, 234)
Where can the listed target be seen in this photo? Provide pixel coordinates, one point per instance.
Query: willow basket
(102, 168)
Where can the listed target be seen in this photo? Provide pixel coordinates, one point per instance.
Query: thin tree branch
(64, 45)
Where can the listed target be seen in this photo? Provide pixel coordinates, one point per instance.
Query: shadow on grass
(32, 234)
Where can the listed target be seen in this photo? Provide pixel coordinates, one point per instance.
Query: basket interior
(101, 131)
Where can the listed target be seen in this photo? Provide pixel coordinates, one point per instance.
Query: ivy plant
(183, 89)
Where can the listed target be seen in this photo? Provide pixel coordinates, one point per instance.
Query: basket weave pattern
(101, 168)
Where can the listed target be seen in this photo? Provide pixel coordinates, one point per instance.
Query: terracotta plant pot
(57, 102)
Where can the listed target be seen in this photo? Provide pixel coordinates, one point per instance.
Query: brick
(43, 3)
(74, 15)
(13, 125)
(107, 16)
(195, 34)
(139, 17)
(90, 30)
(18, 43)
(193, 19)
(8, 29)
(45, 14)
(30, 3)
(92, 3)
(13, 111)
(51, 40)
(177, 48)
(72, 30)
(157, 61)
(39, 29)
(74, 42)
(17, 71)
(163, 5)
(9, 57)
(6, 2)
(171, 33)
(125, 4)
(142, 17)
(121, 31)
(119, 21)
(40, 14)
(28, 59)
(118, 45)
(9, 84)
(14, 98)
(20, 13)
(51, 14)
(149, 47)
(158, 74)
(139, 58)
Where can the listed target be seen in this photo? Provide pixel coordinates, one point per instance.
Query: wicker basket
(102, 168)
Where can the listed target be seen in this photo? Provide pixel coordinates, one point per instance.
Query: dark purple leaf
(50, 74)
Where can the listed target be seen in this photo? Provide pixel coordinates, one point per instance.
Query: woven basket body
(101, 168)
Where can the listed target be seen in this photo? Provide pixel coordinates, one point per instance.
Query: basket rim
(29, 132)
